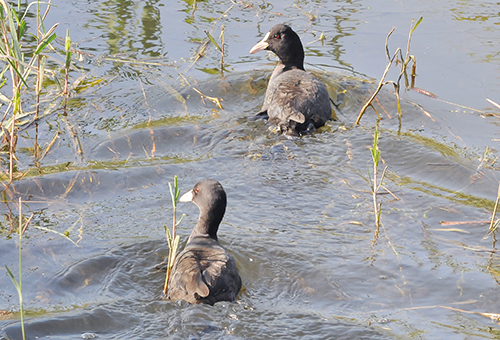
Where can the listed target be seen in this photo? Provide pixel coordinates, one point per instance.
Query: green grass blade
(176, 189)
(68, 59)
(58, 233)
(416, 25)
(13, 280)
(174, 202)
(67, 43)
(44, 43)
(212, 40)
(16, 47)
(169, 237)
(180, 219)
(17, 71)
(375, 151)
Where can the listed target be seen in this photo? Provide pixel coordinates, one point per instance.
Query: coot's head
(285, 43)
(210, 197)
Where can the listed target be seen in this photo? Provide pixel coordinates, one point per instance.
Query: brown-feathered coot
(296, 101)
(204, 272)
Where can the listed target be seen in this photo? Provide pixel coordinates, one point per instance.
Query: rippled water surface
(300, 219)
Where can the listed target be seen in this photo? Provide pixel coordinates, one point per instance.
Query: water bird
(204, 272)
(296, 102)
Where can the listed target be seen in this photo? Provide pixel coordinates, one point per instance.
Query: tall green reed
(172, 237)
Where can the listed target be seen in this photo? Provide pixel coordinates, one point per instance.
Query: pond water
(300, 219)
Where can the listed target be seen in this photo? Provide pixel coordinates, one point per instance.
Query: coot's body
(204, 272)
(296, 101)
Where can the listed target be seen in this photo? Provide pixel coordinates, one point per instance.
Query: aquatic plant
(375, 184)
(403, 62)
(21, 62)
(172, 237)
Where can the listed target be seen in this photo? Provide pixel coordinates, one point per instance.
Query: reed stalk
(404, 62)
(172, 237)
(376, 183)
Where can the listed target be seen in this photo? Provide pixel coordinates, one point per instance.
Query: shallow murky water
(300, 219)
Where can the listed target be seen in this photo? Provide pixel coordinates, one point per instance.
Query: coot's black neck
(293, 61)
(209, 220)
(291, 55)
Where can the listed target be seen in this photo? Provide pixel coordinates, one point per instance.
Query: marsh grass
(404, 64)
(22, 62)
(172, 237)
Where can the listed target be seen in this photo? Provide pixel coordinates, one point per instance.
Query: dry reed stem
(463, 222)
(194, 8)
(390, 192)
(202, 49)
(381, 82)
(222, 50)
(451, 229)
(73, 132)
(134, 61)
(494, 224)
(404, 63)
(50, 145)
(70, 186)
(493, 103)
(145, 100)
(213, 99)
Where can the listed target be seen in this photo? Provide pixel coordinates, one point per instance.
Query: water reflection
(131, 27)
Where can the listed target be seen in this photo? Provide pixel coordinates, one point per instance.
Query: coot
(296, 101)
(204, 272)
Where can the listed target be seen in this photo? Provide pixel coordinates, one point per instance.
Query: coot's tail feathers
(260, 115)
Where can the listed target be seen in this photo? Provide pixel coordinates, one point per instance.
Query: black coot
(204, 272)
(296, 101)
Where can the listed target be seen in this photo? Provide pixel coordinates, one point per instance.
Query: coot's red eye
(277, 36)
(196, 190)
